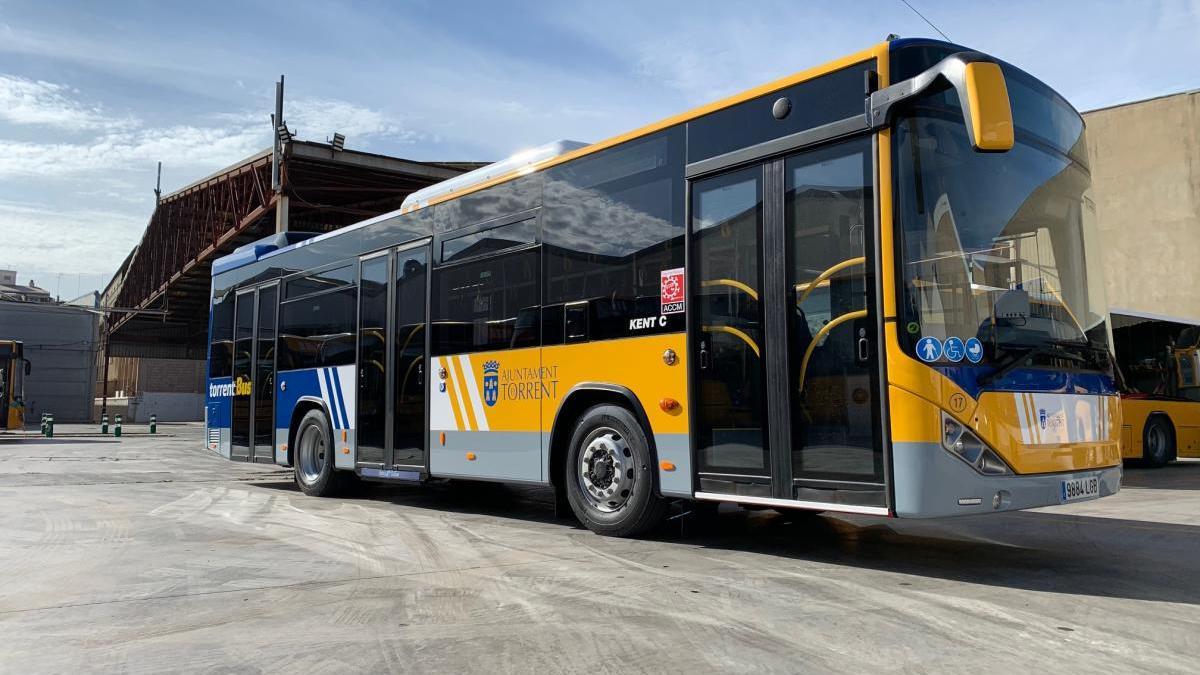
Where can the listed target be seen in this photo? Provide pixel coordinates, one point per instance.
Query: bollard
(104, 424)
(43, 424)
(154, 424)
(117, 427)
(50, 425)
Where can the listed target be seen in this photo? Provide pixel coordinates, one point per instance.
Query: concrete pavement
(150, 554)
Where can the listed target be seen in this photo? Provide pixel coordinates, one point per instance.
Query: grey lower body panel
(498, 455)
(931, 483)
(677, 450)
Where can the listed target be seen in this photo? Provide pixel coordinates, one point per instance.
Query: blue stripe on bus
(330, 399)
(1029, 379)
(337, 379)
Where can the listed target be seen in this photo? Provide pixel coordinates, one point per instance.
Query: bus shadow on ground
(1181, 475)
(526, 503)
(1042, 552)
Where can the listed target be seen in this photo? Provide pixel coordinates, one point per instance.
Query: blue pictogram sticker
(974, 350)
(954, 349)
(929, 349)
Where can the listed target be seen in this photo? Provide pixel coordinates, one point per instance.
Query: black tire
(613, 493)
(1158, 441)
(313, 466)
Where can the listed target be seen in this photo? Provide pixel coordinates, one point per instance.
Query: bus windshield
(1001, 247)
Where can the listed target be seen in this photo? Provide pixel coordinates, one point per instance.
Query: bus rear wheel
(1158, 441)
(315, 475)
(610, 474)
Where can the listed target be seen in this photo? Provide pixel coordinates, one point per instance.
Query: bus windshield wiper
(1029, 353)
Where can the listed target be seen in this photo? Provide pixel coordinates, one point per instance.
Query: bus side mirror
(982, 93)
(986, 108)
(28, 367)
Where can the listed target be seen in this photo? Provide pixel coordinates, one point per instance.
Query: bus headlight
(966, 445)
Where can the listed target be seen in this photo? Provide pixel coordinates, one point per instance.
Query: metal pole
(277, 148)
(104, 400)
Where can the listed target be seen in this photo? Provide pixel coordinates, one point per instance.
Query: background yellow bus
(14, 368)
(1159, 361)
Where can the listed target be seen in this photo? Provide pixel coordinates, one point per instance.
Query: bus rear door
(392, 348)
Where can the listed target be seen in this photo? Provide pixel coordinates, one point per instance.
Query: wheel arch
(303, 405)
(576, 401)
(1166, 417)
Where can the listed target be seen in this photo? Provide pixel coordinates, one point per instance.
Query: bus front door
(392, 344)
(784, 332)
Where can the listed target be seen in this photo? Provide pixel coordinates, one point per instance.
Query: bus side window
(486, 304)
(318, 330)
(220, 360)
(612, 223)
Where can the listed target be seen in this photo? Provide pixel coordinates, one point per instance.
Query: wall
(1146, 185)
(167, 406)
(60, 343)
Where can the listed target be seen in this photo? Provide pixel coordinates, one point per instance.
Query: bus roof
(563, 151)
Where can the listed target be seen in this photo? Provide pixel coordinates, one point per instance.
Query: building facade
(1146, 185)
(61, 343)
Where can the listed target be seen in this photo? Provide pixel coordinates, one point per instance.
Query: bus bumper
(932, 483)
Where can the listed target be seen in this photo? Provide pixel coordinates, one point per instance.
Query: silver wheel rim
(1158, 441)
(606, 471)
(312, 454)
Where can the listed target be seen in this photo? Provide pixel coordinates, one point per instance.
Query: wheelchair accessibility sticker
(954, 349)
(929, 349)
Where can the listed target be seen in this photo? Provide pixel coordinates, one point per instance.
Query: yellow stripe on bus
(453, 394)
(460, 389)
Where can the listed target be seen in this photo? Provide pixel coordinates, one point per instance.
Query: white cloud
(188, 147)
(57, 239)
(317, 118)
(35, 102)
(116, 144)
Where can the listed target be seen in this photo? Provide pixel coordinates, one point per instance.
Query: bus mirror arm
(982, 93)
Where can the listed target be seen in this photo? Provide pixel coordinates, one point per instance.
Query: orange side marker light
(668, 404)
(345, 451)
(343, 435)
(470, 457)
(666, 466)
(442, 437)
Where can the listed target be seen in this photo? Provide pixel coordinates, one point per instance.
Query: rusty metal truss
(170, 268)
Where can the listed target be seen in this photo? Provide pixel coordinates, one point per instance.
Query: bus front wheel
(610, 474)
(315, 475)
(1158, 441)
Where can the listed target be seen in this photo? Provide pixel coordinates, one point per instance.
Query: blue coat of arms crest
(491, 382)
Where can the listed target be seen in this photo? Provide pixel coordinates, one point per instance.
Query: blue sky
(93, 94)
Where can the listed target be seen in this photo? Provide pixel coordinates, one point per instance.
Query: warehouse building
(60, 343)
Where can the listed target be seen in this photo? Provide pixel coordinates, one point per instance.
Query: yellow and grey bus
(870, 287)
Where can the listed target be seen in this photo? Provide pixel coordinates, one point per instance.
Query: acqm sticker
(671, 291)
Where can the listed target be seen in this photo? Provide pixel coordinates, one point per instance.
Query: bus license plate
(1080, 488)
